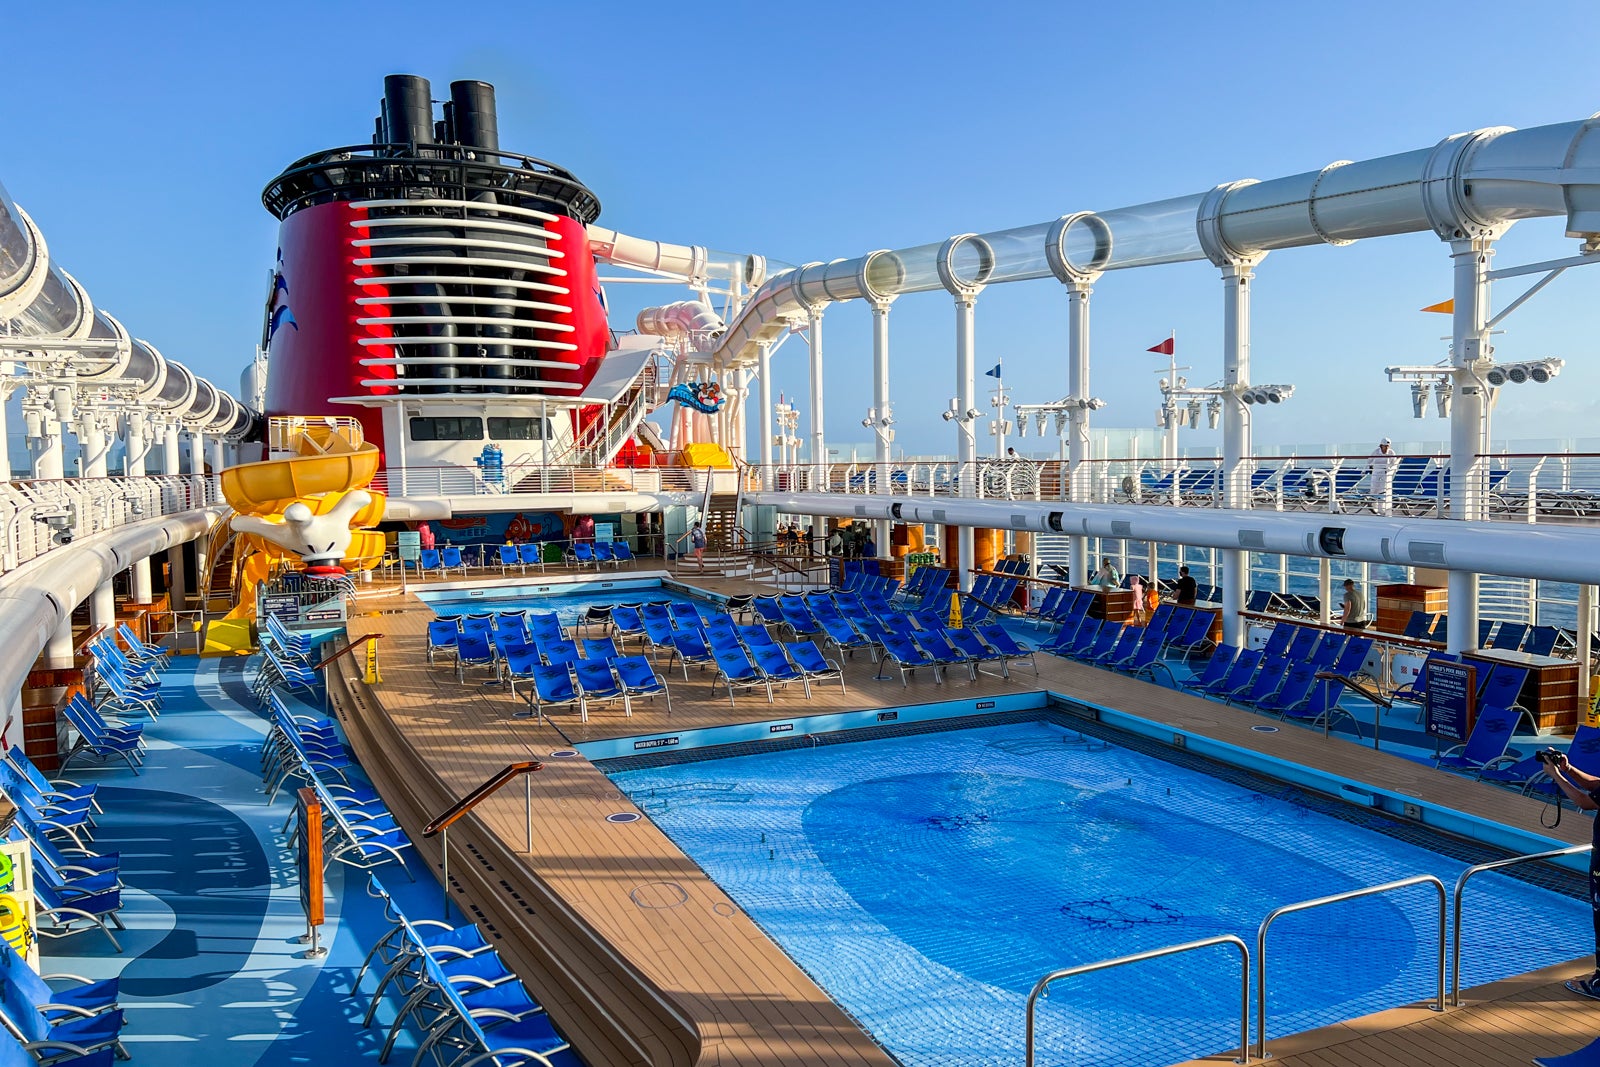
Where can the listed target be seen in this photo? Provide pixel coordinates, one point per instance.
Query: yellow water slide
(332, 461)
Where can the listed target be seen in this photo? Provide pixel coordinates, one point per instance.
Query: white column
(764, 424)
(966, 428)
(93, 445)
(881, 411)
(171, 461)
(1236, 277)
(216, 454)
(197, 466)
(1078, 293)
(1325, 591)
(1469, 345)
(47, 445)
(819, 446)
(5, 430)
(103, 605)
(1585, 640)
(58, 651)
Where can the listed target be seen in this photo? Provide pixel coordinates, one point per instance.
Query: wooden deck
(644, 960)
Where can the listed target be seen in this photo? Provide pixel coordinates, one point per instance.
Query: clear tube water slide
(40, 300)
(1466, 183)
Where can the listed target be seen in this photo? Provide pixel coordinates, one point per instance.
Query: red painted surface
(318, 356)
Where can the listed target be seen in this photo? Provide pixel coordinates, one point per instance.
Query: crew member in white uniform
(1382, 464)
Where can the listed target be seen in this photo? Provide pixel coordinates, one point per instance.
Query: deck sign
(1449, 699)
(780, 728)
(285, 607)
(410, 545)
(655, 742)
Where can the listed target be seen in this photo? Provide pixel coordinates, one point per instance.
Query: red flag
(1166, 348)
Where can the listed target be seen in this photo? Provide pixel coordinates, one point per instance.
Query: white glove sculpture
(320, 541)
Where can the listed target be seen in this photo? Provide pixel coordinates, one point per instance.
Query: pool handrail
(1044, 983)
(1306, 905)
(1461, 885)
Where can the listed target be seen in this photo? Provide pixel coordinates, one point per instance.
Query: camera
(1548, 755)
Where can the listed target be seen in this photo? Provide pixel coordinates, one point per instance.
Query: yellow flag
(1444, 307)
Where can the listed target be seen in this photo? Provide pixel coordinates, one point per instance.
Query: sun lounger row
(450, 984)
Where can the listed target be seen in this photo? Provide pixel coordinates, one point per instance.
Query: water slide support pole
(764, 399)
(1078, 293)
(966, 430)
(819, 447)
(1236, 276)
(1468, 437)
(881, 412)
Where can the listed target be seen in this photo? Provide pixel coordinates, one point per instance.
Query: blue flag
(992, 373)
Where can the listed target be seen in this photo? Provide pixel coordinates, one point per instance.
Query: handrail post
(1043, 984)
(444, 880)
(1461, 885)
(1306, 905)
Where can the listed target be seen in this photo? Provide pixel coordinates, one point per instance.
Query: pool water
(927, 881)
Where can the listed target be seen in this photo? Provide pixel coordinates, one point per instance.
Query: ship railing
(37, 515)
(530, 477)
(1503, 487)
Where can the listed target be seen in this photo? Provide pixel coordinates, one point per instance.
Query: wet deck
(647, 961)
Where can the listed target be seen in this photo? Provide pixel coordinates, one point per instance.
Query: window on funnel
(447, 429)
(517, 429)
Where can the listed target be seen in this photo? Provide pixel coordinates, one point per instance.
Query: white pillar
(5, 431)
(137, 444)
(1325, 590)
(93, 445)
(764, 424)
(819, 444)
(1236, 277)
(48, 462)
(1585, 640)
(881, 411)
(966, 427)
(58, 651)
(216, 453)
(103, 605)
(1078, 292)
(171, 461)
(178, 579)
(1469, 346)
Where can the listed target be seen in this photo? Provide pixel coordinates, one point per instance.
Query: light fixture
(1213, 412)
(1442, 391)
(1061, 424)
(1022, 426)
(947, 415)
(1419, 400)
(1538, 370)
(1266, 394)
(1496, 376)
(1517, 373)
(1039, 420)
(1545, 369)
(1194, 414)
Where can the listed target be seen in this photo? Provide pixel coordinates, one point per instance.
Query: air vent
(1019, 521)
(938, 514)
(861, 510)
(1054, 522)
(1427, 552)
(894, 511)
(1121, 529)
(1252, 539)
(1384, 548)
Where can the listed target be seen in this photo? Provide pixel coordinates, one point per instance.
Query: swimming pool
(569, 601)
(927, 881)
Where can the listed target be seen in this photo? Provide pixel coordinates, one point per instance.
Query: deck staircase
(729, 554)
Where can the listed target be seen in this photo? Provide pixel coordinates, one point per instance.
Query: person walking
(697, 542)
(1136, 584)
(1381, 465)
(1187, 588)
(1354, 614)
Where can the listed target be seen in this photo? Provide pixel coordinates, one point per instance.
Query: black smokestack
(408, 109)
(473, 114)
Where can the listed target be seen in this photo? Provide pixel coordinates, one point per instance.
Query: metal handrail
(349, 648)
(1044, 983)
(1337, 898)
(441, 823)
(1461, 885)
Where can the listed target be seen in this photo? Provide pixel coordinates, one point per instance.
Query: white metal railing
(525, 477)
(37, 516)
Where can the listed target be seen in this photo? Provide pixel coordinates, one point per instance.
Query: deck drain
(723, 908)
(658, 896)
(1265, 729)
(564, 753)
(623, 816)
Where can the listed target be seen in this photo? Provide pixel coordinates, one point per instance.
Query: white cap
(1385, 441)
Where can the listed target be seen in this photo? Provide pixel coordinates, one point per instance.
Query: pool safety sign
(1450, 699)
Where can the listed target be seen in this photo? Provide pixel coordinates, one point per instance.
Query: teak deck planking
(687, 977)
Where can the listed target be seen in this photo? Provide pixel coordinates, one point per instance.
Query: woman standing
(697, 541)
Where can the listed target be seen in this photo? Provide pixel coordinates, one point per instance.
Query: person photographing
(1583, 789)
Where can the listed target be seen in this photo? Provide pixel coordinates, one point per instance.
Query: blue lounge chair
(603, 555)
(1238, 676)
(1126, 642)
(689, 647)
(1268, 680)
(520, 663)
(427, 560)
(583, 555)
(906, 657)
(808, 658)
(1352, 661)
(621, 552)
(553, 687)
(1196, 635)
(529, 554)
(441, 639)
(626, 623)
(1279, 639)
(1486, 744)
(472, 650)
(1321, 708)
(1293, 692)
(450, 560)
(1216, 669)
(735, 671)
(773, 662)
(998, 638)
(601, 648)
(1587, 1056)
(639, 679)
(977, 652)
(599, 685)
(946, 655)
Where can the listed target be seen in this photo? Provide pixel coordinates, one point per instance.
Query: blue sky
(139, 137)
